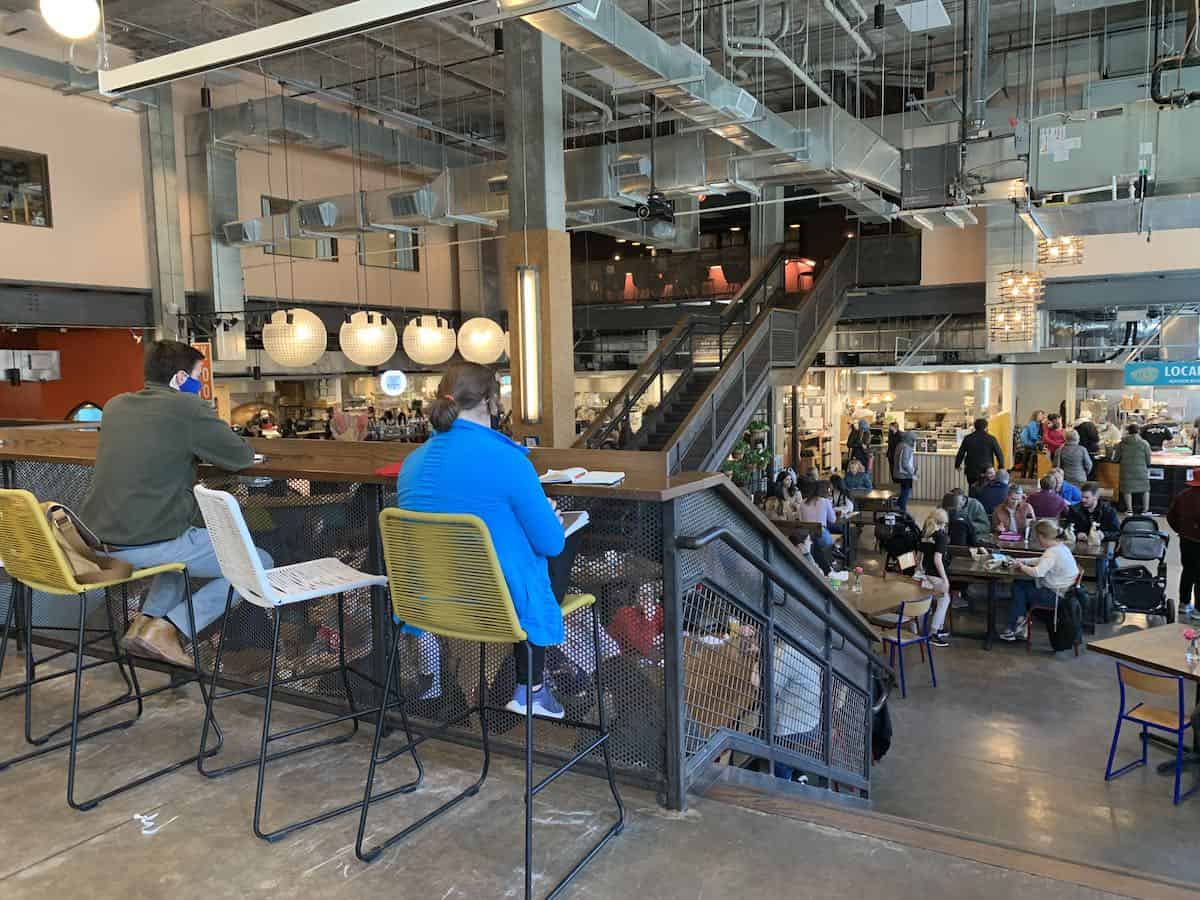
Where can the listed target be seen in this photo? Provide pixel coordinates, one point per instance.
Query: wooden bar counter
(692, 583)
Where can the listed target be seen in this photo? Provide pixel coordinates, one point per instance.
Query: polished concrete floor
(1012, 746)
(198, 843)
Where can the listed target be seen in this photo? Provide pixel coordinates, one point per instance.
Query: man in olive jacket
(141, 501)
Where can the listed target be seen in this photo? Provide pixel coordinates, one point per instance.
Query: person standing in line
(1053, 436)
(1184, 517)
(1073, 458)
(1031, 441)
(1089, 436)
(1133, 453)
(978, 451)
(904, 471)
(858, 443)
(893, 444)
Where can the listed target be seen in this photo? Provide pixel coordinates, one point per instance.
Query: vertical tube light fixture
(529, 308)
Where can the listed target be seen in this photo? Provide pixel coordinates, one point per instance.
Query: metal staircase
(724, 364)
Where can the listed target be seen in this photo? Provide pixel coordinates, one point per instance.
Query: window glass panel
(390, 250)
(24, 188)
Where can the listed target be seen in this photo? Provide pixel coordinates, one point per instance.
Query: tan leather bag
(82, 548)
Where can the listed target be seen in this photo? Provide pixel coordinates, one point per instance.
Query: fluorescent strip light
(531, 344)
(304, 31)
(923, 222)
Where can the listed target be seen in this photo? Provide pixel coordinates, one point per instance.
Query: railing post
(768, 669)
(674, 710)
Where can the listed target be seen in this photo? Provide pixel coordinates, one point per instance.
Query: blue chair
(1172, 720)
(911, 612)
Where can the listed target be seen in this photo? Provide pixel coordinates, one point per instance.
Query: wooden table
(853, 528)
(1162, 649)
(881, 595)
(878, 500)
(964, 568)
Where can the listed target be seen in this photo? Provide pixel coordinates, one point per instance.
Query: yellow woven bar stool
(445, 579)
(34, 561)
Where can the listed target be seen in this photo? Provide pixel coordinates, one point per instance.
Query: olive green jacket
(150, 444)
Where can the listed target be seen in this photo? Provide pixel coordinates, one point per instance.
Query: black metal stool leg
(31, 670)
(341, 601)
(393, 653)
(266, 729)
(528, 771)
(9, 616)
(210, 698)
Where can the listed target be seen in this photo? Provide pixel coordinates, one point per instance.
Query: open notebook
(580, 475)
(573, 521)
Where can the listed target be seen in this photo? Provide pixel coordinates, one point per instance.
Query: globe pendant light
(73, 19)
(296, 343)
(368, 339)
(481, 340)
(428, 340)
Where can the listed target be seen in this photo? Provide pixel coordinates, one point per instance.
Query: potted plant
(739, 450)
(757, 431)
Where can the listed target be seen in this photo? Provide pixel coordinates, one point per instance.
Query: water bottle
(1193, 652)
(857, 586)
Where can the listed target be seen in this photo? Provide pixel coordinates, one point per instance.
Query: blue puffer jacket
(473, 469)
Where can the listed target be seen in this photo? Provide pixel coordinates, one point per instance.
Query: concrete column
(162, 215)
(537, 227)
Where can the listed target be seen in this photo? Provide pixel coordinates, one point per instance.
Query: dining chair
(1173, 719)
(1053, 610)
(915, 613)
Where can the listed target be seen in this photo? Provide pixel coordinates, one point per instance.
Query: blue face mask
(190, 385)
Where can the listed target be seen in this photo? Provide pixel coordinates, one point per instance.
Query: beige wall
(953, 255)
(1111, 254)
(96, 190)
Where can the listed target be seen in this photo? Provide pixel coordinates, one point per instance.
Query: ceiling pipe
(979, 67)
(606, 113)
(831, 7)
(757, 47)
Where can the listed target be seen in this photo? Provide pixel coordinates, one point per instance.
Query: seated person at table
(994, 492)
(1053, 573)
(858, 479)
(958, 526)
(815, 507)
(797, 686)
(1014, 514)
(1048, 503)
(524, 524)
(935, 561)
(141, 499)
(638, 628)
(1064, 488)
(843, 504)
(1092, 510)
(975, 513)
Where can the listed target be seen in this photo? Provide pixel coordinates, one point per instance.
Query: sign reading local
(1160, 374)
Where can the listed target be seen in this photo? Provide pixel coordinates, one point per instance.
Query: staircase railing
(776, 337)
(758, 291)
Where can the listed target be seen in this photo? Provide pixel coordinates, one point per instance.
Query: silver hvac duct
(683, 80)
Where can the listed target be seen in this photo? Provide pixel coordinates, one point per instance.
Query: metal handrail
(830, 283)
(653, 366)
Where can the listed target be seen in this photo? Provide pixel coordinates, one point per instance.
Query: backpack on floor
(898, 534)
(1066, 626)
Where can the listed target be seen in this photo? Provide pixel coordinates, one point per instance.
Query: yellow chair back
(445, 578)
(30, 553)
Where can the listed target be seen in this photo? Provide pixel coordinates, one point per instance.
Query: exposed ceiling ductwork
(834, 147)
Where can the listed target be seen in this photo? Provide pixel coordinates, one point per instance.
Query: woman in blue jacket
(525, 526)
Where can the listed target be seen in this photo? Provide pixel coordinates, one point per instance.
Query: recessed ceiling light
(794, 225)
(735, 227)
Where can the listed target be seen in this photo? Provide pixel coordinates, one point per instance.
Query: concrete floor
(1013, 747)
(201, 845)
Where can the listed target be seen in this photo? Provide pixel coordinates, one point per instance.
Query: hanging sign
(206, 378)
(1162, 374)
(393, 382)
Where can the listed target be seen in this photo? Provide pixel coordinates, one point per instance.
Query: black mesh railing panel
(799, 678)
(783, 344)
(730, 399)
(848, 736)
(722, 658)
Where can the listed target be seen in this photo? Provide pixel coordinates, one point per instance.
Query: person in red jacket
(1184, 516)
(1053, 435)
(638, 628)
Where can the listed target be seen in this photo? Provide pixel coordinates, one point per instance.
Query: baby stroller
(1133, 587)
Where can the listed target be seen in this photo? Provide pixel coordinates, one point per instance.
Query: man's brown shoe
(158, 639)
(135, 629)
